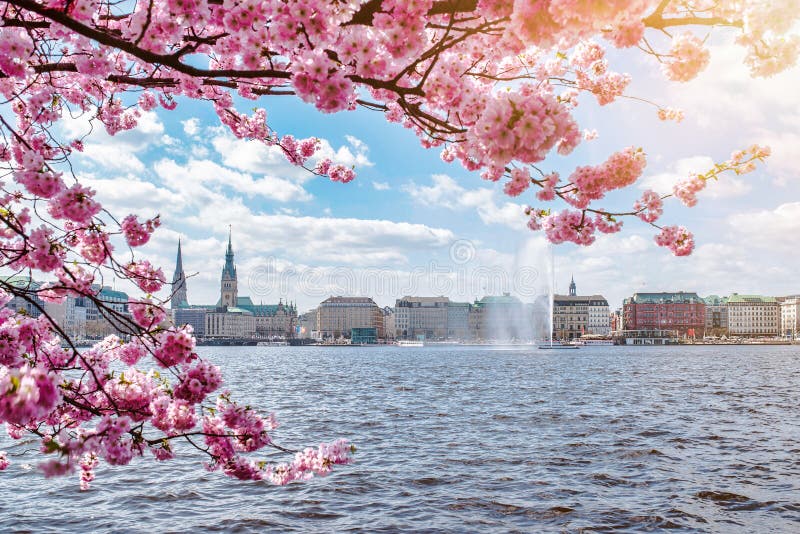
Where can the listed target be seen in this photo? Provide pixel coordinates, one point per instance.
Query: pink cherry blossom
(136, 233)
(520, 181)
(649, 207)
(688, 58)
(676, 238)
(686, 190)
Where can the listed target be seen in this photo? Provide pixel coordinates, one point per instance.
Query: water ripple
(454, 439)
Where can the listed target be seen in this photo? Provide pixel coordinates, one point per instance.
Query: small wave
(721, 496)
(653, 433)
(642, 452)
(428, 481)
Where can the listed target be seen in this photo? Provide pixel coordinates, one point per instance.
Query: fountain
(551, 294)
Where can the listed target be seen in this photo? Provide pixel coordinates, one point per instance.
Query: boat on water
(593, 342)
(410, 343)
(558, 345)
(272, 344)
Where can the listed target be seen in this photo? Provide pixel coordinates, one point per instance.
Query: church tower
(179, 297)
(228, 290)
(572, 289)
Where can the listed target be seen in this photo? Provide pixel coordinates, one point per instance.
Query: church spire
(228, 286)
(572, 288)
(230, 268)
(179, 260)
(179, 293)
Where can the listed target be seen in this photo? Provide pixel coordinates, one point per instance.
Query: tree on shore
(491, 84)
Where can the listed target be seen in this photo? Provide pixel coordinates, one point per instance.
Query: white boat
(410, 343)
(594, 342)
(272, 344)
(557, 345)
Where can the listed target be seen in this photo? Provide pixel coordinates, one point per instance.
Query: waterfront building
(75, 317)
(389, 328)
(112, 317)
(307, 324)
(716, 316)
(680, 311)
(616, 320)
(421, 317)
(458, 321)
(192, 315)
(501, 318)
(247, 320)
(753, 316)
(337, 316)
(790, 316)
(273, 320)
(364, 336)
(69, 315)
(29, 303)
(646, 337)
(576, 315)
(230, 322)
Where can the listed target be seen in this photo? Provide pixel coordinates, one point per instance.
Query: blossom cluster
(688, 57)
(676, 238)
(620, 170)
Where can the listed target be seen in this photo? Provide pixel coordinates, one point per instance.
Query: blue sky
(412, 223)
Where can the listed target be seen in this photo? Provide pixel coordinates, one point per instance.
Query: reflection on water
(467, 438)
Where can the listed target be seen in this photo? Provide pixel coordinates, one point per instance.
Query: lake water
(464, 439)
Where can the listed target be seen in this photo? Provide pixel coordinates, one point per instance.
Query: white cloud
(129, 194)
(256, 157)
(259, 158)
(774, 229)
(344, 155)
(725, 95)
(113, 157)
(118, 153)
(191, 126)
(356, 143)
(782, 164)
(447, 193)
(211, 173)
(381, 186)
(509, 214)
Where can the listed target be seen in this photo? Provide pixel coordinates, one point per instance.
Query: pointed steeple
(230, 268)
(179, 260)
(572, 287)
(228, 286)
(179, 293)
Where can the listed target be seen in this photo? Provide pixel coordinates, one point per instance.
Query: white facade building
(599, 316)
(790, 316)
(338, 316)
(232, 323)
(576, 315)
(421, 317)
(753, 315)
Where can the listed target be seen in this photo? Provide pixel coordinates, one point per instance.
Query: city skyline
(407, 208)
(281, 287)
